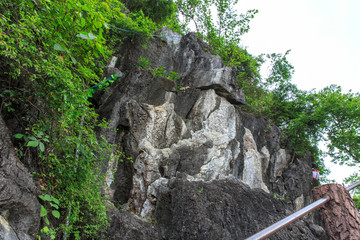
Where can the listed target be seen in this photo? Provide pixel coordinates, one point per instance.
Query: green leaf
(32, 144)
(73, 60)
(43, 211)
(54, 205)
(19, 135)
(47, 221)
(89, 36)
(58, 47)
(45, 229)
(82, 22)
(85, 8)
(98, 24)
(92, 36)
(55, 200)
(42, 147)
(46, 197)
(83, 36)
(56, 213)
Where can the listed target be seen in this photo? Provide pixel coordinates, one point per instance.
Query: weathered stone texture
(185, 141)
(221, 209)
(19, 207)
(127, 226)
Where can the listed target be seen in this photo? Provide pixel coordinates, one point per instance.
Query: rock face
(19, 207)
(127, 226)
(201, 168)
(220, 209)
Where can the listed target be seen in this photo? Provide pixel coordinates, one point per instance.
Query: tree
(222, 33)
(158, 10)
(343, 124)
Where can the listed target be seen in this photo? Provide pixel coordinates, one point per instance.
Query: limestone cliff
(202, 168)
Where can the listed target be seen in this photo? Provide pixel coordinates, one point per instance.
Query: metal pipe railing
(267, 232)
(354, 185)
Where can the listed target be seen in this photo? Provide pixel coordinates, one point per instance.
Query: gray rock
(188, 56)
(6, 231)
(221, 209)
(183, 141)
(127, 226)
(200, 69)
(174, 40)
(281, 161)
(166, 146)
(318, 231)
(19, 206)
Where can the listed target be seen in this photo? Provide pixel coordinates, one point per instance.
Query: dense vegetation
(52, 52)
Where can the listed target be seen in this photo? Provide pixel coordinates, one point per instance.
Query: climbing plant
(52, 53)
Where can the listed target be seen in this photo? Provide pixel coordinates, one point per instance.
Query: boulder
(221, 209)
(19, 206)
(127, 226)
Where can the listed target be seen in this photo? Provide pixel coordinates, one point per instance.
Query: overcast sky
(323, 35)
(324, 38)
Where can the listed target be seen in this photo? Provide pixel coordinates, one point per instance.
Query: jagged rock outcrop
(221, 209)
(202, 168)
(19, 207)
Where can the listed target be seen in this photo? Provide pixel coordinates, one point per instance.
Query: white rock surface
(253, 162)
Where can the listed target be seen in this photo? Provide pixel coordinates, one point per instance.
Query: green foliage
(356, 196)
(307, 117)
(222, 33)
(158, 72)
(52, 52)
(158, 10)
(37, 140)
(8, 97)
(144, 63)
(275, 196)
(293, 110)
(342, 115)
(102, 85)
(173, 76)
(54, 204)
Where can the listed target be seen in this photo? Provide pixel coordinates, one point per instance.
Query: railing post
(267, 232)
(340, 216)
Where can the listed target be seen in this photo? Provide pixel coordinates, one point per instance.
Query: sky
(324, 38)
